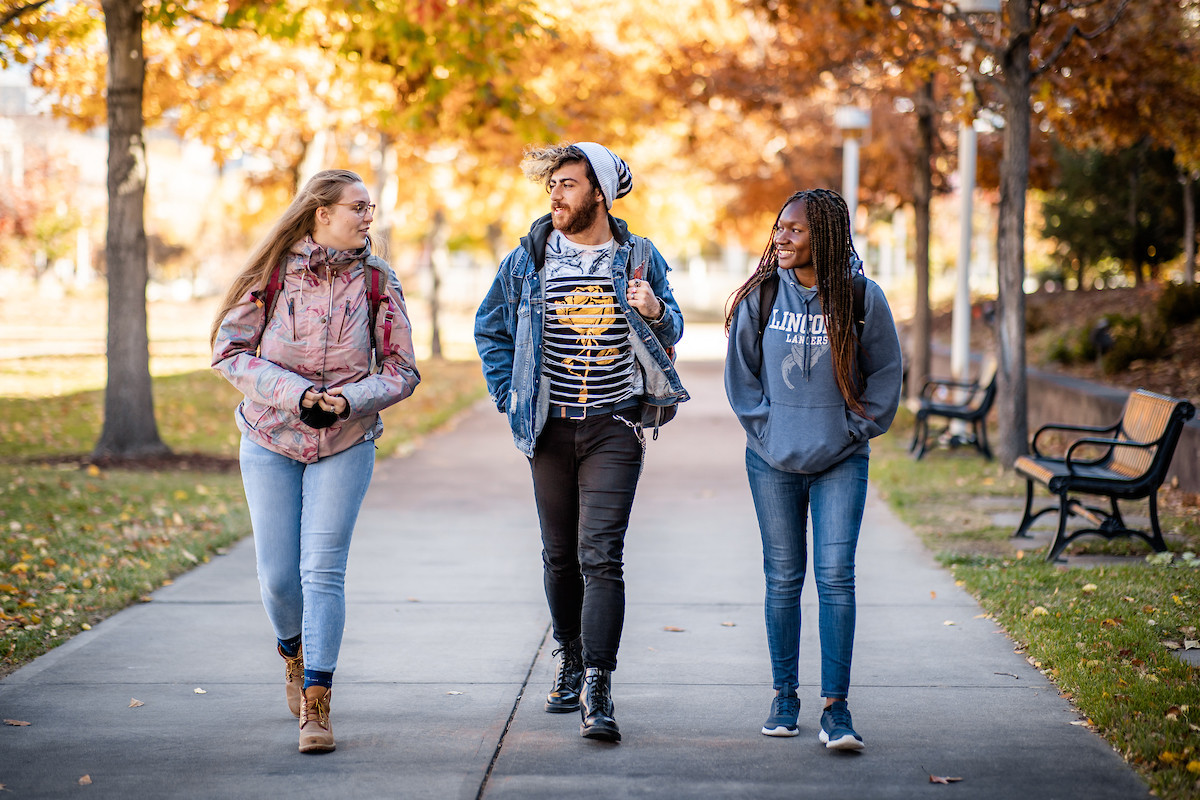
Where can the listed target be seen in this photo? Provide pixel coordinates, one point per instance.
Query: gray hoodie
(787, 397)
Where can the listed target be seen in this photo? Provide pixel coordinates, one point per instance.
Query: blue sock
(291, 647)
(314, 677)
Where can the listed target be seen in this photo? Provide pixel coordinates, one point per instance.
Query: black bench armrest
(1109, 443)
(1080, 428)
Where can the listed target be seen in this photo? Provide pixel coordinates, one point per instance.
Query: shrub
(1132, 339)
(1178, 304)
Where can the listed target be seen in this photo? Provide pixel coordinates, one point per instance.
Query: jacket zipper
(292, 315)
(342, 329)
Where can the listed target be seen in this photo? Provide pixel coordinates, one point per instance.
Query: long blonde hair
(322, 190)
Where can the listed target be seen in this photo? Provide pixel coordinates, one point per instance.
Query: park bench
(1132, 463)
(974, 408)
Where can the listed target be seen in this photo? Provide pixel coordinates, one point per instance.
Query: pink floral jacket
(317, 338)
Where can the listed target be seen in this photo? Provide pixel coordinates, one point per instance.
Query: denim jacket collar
(534, 242)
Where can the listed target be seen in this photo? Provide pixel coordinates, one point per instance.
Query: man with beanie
(576, 336)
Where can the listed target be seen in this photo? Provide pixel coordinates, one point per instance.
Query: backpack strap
(376, 280)
(265, 298)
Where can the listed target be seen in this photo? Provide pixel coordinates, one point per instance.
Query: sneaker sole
(847, 742)
(781, 730)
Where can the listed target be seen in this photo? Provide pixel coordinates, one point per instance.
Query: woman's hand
(310, 399)
(641, 297)
(332, 400)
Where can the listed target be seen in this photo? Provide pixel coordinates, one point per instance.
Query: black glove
(317, 417)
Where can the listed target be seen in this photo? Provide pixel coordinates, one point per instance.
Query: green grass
(195, 414)
(1097, 633)
(77, 545)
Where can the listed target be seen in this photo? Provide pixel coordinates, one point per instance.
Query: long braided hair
(832, 252)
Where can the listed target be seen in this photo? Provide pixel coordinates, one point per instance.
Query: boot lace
(315, 711)
(293, 668)
(598, 692)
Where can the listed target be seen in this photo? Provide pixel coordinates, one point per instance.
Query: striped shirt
(585, 350)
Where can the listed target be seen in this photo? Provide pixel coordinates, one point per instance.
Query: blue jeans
(303, 516)
(782, 500)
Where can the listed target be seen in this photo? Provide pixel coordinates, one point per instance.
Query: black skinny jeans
(585, 473)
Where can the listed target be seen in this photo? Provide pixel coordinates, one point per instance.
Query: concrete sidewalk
(446, 659)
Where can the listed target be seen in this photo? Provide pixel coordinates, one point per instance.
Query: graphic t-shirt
(585, 350)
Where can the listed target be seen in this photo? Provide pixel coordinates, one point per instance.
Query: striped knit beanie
(612, 173)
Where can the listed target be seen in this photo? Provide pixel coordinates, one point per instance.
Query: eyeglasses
(360, 209)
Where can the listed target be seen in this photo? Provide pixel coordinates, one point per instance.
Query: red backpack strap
(265, 298)
(376, 296)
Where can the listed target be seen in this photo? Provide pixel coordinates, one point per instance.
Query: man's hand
(641, 297)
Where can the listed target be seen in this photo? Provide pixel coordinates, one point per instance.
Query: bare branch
(1074, 31)
(12, 14)
(981, 41)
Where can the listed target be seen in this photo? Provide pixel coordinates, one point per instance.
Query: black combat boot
(597, 707)
(568, 679)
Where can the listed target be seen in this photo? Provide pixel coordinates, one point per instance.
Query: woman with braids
(297, 334)
(811, 384)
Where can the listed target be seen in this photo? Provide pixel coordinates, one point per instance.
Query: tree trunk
(1011, 408)
(919, 350)
(130, 430)
(1189, 229)
(1135, 261)
(437, 252)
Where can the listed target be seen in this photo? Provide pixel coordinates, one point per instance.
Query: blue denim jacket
(509, 327)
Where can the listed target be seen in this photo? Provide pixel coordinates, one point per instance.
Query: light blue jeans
(837, 497)
(303, 516)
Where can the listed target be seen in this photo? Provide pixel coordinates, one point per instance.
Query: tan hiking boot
(316, 732)
(293, 680)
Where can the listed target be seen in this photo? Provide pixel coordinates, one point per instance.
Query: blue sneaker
(837, 730)
(785, 709)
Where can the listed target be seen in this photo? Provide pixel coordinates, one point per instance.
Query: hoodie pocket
(806, 438)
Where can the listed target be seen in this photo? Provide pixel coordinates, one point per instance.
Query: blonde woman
(297, 334)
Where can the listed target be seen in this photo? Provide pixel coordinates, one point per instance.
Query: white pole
(960, 337)
(850, 184)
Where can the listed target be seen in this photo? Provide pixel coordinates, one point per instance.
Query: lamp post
(851, 120)
(960, 326)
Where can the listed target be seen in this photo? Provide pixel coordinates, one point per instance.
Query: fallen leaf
(17, 723)
(188, 555)
(1171, 645)
(453, 692)
(1191, 644)
(933, 595)
(1128, 599)
(93, 470)
(134, 702)
(948, 622)
(1089, 588)
(1193, 767)
(412, 599)
(1039, 611)
(729, 624)
(1173, 712)
(1009, 674)
(979, 616)
(960, 583)
(167, 582)
(945, 780)
(85, 780)
(198, 690)
(1078, 722)
(672, 629)
(1020, 554)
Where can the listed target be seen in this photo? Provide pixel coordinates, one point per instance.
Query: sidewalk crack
(512, 714)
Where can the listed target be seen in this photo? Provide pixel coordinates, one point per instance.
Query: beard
(578, 220)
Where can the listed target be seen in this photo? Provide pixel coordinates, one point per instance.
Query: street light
(960, 326)
(851, 120)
